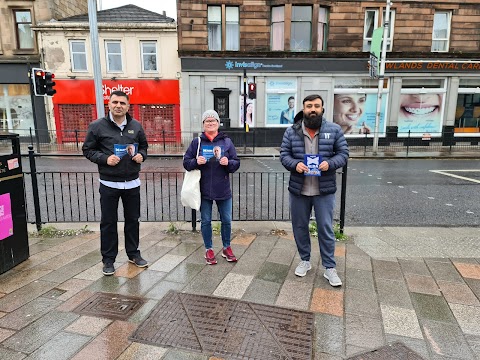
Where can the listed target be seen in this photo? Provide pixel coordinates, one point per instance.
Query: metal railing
(73, 197)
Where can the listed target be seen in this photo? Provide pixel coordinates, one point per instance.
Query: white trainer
(332, 277)
(302, 268)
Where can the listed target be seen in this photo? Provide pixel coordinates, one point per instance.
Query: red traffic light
(252, 91)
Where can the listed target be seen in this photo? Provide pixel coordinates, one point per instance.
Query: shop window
(372, 22)
(78, 55)
(158, 121)
(232, 30)
(16, 108)
(277, 28)
(214, 28)
(23, 29)
(149, 56)
(467, 114)
(281, 101)
(76, 116)
(301, 28)
(441, 31)
(113, 51)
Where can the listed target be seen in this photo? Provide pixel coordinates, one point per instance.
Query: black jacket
(99, 143)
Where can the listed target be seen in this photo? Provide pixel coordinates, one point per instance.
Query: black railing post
(164, 142)
(36, 199)
(365, 147)
(76, 138)
(31, 136)
(451, 142)
(408, 141)
(194, 220)
(343, 196)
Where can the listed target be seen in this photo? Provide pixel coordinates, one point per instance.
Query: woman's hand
(224, 161)
(201, 160)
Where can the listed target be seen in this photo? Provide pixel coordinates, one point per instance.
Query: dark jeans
(108, 225)
(301, 207)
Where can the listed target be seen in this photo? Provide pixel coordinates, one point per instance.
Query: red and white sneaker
(210, 257)
(228, 254)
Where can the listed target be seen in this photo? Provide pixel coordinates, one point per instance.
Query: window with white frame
(149, 56)
(372, 22)
(214, 28)
(232, 41)
(113, 51)
(23, 29)
(322, 29)
(301, 28)
(277, 28)
(441, 31)
(78, 55)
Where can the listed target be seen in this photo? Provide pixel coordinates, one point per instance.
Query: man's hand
(138, 158)
(224, 161)
(201, 160)
(301, 167)
(113, 160)
(323, 166)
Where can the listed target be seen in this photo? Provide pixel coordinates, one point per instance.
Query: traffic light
(38, 79)
(49, 84)
(252, 91)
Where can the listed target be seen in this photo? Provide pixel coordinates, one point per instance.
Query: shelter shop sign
(433, 66)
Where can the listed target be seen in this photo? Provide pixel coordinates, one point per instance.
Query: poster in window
(281, 102)
(250, 112)
(420, 114)
(355, 113)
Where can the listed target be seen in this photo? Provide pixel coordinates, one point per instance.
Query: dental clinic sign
(252, 65)
(432, 66)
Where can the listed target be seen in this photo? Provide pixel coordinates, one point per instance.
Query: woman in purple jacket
(215, 182)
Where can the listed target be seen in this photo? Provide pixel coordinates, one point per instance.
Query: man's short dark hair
(312, 97)
(291, 98)
(119, 93)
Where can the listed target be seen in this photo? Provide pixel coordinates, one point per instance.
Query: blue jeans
(301, 208)
(225, 210)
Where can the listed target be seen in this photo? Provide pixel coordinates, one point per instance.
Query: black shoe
(108, 269)
(139, 261)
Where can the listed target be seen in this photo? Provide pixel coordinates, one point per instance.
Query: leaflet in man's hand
(209, 151)
(313, 161)
(121, 150)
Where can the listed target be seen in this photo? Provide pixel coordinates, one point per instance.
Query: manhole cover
(228, 328)
(395, 351)
(110, 306)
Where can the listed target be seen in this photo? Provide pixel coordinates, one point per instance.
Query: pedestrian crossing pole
(245, 126)
(381, 74)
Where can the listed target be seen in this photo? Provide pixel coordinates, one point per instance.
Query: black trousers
(108, 225)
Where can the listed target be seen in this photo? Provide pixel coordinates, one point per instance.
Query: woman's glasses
(210, 121)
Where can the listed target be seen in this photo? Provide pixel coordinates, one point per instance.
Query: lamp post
(381, 74)
(97, 71)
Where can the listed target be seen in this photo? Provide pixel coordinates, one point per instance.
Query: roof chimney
(164, 13)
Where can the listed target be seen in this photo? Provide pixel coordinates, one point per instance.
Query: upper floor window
(78, 55)
(306, 32)
(441, 31)
(149, 56)
(232, 40)
(373, 21)
(23, 29)
(214, 28)
(113, 50)
(301, 28)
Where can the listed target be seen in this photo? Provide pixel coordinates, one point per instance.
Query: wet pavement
(416, 286)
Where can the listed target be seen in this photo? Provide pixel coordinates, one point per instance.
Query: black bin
(13, 219)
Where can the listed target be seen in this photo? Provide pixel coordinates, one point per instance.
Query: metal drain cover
(228, 328)
(395, 351)
(110, 306)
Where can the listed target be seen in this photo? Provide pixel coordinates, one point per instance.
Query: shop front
(155, 103)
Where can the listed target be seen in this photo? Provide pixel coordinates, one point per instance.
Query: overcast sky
(158, 6)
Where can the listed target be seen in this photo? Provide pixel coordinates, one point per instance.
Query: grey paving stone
(422, 284)
(142, 352)
(142, 283)
(173, 354)
(107, 284)
(61, 347)
(363, 303)
(185, 249)
(458, 293)
(73, 268)
(325, 356)
(400, 321)
(351, 350)
(161, 288)
(184, 272)
(358, 261)
(155, 252)
(263, 292)
(363, 331)
(329, 335)
(395, 293)
(417, 267)
(142, 313)
(10, 354)
(387, 270)
(474, 343)
(468, 317)
(473, 284)
(282, 255)
(207, 280)
(417, 345)
(432, 307)
(294, 294)
(444, 271)
(20, 297)
(38, 333)
(446, 339)
(273, 272)
(359, 279)
(167, 262)
(28, 313)
(233, 285)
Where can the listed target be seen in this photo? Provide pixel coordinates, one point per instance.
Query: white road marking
(447, 173)
(449, 204)
(431, 197)
(470, 212)
(415, 192)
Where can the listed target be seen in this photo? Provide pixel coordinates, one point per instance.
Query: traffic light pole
(245, 109)
(34, 113)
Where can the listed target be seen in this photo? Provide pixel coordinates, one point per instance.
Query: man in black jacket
(106, 145)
